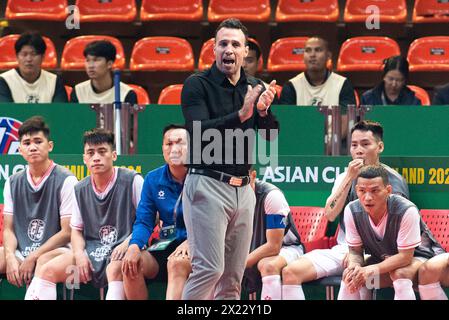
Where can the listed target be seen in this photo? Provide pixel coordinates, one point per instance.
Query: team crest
(36, 230)
(9, 136)
(108, 235)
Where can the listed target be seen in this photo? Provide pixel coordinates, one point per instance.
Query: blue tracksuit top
(160, 193)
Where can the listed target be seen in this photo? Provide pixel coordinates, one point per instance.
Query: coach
(218, 202)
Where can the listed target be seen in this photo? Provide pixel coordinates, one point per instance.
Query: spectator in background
(393, 89)
(28, 83)
(317, 85)
(100, 57)
(441, 95)
(251, 65)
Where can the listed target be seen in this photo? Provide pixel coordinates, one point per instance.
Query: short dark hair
(399, 63)
(367, 125)
(98, 136)
(374, 171)
(233, 23)
(325, 42)
(101, 48)
(252, 45)
(172, 126)
(32, 39)
(34, 125)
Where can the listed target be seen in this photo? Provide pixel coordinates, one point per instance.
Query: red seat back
(177, 10)
(171, 94)
(248, 10)
(430, 11)
(51, 10)
(106, 11)
(311, 223)
(73, 58)
(317, 10)
(142, 95)
(8, 57)
(162, 54)
(421, 94)
(68, 90)
(366, 53)
(392, 11)
(438, 223)
(429, 54)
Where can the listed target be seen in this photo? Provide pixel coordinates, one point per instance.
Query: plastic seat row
(394, 11)
(286, 54)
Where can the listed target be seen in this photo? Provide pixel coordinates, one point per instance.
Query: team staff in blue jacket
(160, 204)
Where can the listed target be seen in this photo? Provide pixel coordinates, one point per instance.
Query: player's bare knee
(267, 268)
(178, 267)
(428, 273)
(49, 272)
(290, 277)
(401, 273)
(114, 271)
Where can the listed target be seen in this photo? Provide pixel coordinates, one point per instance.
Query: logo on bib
(36, 230)
(108, 235)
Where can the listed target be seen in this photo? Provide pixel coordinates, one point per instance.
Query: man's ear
(51, 144)
(381, 146)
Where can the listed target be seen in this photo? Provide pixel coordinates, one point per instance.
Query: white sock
(30, 289)
(403, 289)
(292, 292)
(432, 291)
(41, 290)
(345, 294)
(365, 293)
(115, 291)
(271, 288)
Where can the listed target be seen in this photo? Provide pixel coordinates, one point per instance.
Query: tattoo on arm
(334, 202)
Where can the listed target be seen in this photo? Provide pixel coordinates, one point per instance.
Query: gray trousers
(219, 222)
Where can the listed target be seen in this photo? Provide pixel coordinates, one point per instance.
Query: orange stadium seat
(162, 53)
(311, 223)
(366, 53)
(68, 90)
(177, 10)
(248, 10)
(437, 221)
(318, 10)
(287, 54)
(207, 56)
(421, 94)
(142, 95)
(433, 11)
(8, 57)
(51, 10)
(392, 11)
(171, 95)
(107, 11)
(73, 58)
(429, 54)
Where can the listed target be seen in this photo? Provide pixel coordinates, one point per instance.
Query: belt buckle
(236, 182)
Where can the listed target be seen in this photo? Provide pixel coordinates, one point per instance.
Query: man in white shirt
(28, 83)
(389, 228)
(38, 207)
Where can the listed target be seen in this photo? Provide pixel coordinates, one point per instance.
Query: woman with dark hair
(393, 89)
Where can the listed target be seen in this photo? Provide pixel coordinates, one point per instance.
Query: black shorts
(161, 258)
